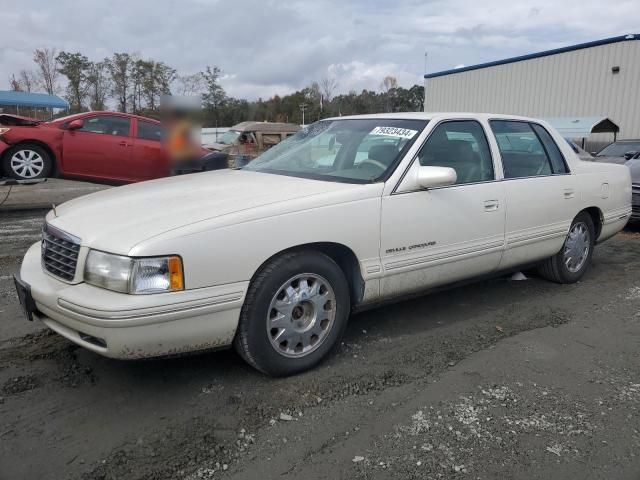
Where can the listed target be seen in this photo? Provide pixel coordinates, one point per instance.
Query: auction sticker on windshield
(394, 132)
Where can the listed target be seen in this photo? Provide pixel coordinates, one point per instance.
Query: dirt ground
(499, 379)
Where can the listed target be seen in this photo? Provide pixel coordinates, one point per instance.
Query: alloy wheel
(301, 315)
(576, 247)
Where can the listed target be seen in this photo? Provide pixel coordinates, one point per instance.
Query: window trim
(569, 172)
(547, 151)
(415, 158)
(138, 122)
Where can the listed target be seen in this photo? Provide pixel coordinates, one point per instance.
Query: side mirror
(431, 177)
(629, 155)
(76, 124)
(593, 153)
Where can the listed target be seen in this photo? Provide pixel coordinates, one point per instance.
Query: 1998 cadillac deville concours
(347, 213)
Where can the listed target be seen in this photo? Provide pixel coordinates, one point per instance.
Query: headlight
(134, 275)
(4, 130)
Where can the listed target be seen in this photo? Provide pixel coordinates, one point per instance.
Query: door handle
(124, 144)
(569, 193)
(491, 205)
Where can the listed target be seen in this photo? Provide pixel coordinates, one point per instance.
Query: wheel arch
(46, 147)
(596, 217)
(344, 257)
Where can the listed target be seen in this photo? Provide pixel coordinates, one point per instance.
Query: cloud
(266, 47)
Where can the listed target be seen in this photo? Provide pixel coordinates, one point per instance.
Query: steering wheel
(376, 163)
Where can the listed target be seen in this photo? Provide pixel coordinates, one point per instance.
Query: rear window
(521, 150)
(553, 152)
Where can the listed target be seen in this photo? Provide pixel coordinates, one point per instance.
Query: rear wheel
(27, 162)
(571, 263)
(294, 314)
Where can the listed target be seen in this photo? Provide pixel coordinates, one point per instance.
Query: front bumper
(126, 326)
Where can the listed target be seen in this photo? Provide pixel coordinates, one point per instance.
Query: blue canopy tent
(28, 100)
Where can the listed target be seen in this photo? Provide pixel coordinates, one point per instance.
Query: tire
(568, 265)
(27, 161)
(286, 306)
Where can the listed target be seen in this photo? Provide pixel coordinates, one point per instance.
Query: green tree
(214, 96)
(75, 67)
(99, 84)
(120, 66)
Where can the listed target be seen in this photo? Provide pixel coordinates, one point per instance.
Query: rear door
(540, 191)
(100, 149)
(148, 159)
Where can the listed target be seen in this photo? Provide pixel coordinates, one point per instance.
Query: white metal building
(598, 79)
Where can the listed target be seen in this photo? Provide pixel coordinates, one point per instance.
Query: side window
(107, 125)
(461, 145)
(149, 131)
(522, 152)
(557, 160)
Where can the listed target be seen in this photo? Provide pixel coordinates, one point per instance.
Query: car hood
(617, 160)
(219, 147)
(18, 121)
(117, 219)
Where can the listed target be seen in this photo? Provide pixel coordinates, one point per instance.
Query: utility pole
(303, 107)
(424, 80)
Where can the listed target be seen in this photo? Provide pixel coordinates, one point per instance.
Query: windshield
(619, 149)
(355, 150)
(229, 137)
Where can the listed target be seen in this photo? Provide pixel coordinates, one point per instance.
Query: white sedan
(272, 258)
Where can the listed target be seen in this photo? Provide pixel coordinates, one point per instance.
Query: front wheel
(294, 314)
(27, 162)
(571, 263)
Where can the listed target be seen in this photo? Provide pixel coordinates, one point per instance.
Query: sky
(267, 47)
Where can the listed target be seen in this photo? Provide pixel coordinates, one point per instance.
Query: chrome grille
(59, 252)
(635, 202)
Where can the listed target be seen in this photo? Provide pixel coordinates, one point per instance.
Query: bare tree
(389, 88)
(191, 84)
(27, 80)
(14, 84)
(328, 87)
(46, 60)
(389, 83)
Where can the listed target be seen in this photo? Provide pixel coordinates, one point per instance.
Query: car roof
(433, 115)
(274, 127)
(105, 112)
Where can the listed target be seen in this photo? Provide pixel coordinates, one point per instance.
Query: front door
(441, 235)
(101, 148)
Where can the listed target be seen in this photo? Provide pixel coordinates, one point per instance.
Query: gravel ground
(499, 379)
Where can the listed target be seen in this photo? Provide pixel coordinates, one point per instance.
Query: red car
(106, 146)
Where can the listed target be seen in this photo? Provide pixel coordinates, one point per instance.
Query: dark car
(104, 146)
(634, 166)
(618, 152)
